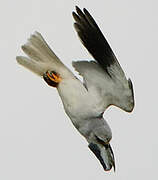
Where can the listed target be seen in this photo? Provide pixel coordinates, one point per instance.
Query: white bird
(104, 83)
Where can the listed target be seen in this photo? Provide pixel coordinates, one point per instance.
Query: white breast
(78, 102)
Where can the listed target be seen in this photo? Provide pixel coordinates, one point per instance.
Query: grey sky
(37, 139)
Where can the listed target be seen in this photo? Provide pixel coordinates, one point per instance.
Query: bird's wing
(105, 75)
(95, 81)
(93, 39)
(94, 77)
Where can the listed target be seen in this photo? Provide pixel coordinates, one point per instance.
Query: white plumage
(104, 83)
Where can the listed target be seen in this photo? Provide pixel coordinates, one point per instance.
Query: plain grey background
(37, 139)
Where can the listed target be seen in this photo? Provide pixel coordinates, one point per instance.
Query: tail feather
(34, 66)
(42, 45)
(104, 154)
(41, 58)
(38, 49)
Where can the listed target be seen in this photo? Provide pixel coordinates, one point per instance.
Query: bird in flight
(104, 83)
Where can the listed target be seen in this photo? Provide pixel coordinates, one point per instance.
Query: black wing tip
(81, 12)
(131, 86)
(95, 149)
(113, 157)
(73, 13)
(77, 8)
(86, 12)
(93, 39)
(75, 16)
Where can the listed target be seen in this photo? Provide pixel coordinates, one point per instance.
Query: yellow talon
(54, 77)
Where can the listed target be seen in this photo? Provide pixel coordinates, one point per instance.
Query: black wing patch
(93, 39)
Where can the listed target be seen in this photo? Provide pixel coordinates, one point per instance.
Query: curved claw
(51, 78)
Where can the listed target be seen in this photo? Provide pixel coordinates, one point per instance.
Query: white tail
(41, 58)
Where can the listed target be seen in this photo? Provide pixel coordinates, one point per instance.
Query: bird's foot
(52, 78)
